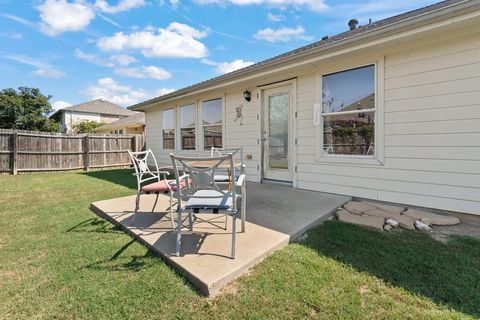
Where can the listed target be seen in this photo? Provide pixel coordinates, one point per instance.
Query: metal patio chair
(203, 193)
(161, 184)
(222, 178)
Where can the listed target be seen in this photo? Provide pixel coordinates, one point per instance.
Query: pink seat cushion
(161, 186)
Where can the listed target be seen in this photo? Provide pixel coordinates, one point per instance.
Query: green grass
(57, 260)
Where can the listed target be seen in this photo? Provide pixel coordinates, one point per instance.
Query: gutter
(406, 24)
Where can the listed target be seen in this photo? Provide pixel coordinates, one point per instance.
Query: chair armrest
(241, 180)
(155, 172)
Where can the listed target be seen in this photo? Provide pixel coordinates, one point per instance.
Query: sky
(128, 51)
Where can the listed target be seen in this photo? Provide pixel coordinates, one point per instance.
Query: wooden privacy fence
(26, 151)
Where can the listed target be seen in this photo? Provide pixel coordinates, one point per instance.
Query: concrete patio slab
(276, 215)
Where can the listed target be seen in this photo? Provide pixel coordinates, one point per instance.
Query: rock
(405, 222)
(387, 227)
(392, 223)
(357, 207)
(341, 210)
(426, 221)
(382, 213)
(385, 207)
(368, 221)
(422, 226)
(435, 219)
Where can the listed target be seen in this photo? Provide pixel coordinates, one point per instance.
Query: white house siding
(432, 132)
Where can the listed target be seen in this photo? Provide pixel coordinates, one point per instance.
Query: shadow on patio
(449, 274)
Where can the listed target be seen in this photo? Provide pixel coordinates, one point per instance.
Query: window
(168, 129)
(348, 111)
(212, 123)
(120, 131)
(187, 126)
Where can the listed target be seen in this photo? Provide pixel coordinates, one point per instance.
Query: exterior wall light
(247, 95)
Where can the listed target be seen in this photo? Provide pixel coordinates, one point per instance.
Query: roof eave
(383, 31)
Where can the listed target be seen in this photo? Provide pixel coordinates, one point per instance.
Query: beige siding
(432, 132)
(430, 126)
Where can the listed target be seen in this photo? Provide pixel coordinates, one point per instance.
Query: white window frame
(174, 128)
(202, 138)
(379, 157)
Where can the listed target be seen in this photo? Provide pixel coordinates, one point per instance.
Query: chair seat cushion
(209, 199)
(161, 186)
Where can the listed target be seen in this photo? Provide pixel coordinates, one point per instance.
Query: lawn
(57, 260)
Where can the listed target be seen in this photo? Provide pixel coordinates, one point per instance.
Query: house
(133, 124)
(388, 111)
(99, 110)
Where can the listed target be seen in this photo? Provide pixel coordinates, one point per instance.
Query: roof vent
(102, 100)
(352, 24)
(324, 38)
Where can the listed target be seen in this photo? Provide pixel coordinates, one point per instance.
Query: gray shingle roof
(317, 46)
(100, 106)
(138, 119)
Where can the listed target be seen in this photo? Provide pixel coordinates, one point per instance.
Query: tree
(86, 126)
(26, 109)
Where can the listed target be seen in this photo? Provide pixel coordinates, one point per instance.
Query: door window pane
(278, 107)
(188, 119)
(212, 117)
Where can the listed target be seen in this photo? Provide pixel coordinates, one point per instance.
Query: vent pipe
(353, 24)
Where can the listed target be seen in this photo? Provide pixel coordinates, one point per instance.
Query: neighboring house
(311, 120)
(134, 124)
(96, 110)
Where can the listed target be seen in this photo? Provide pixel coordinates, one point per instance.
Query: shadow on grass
(95, 225)
(449, 274)
(127, 263)
(121, 177)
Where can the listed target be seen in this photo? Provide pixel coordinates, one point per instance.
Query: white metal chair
(223, 178)
(159, 186)
(202, 192)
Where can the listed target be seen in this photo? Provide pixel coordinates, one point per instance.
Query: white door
(276, 133)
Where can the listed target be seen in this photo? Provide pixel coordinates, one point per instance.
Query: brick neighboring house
(99, 110)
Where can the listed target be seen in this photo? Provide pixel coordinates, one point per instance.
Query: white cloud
(144, 72)
(226, 67)
(119, 60)
(60, 16)
(314, 5)
(48, 73)
(176, 41)
(110, 90)
(275, 17)
(123, 59)
(91, 58)
(122, 5)
(44, 69)
(57, 105)
(20, 20)
(12, 35)
(282, 34)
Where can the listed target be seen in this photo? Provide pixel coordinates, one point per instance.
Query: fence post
(14, 152)
(86, 152)
(134, 143)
